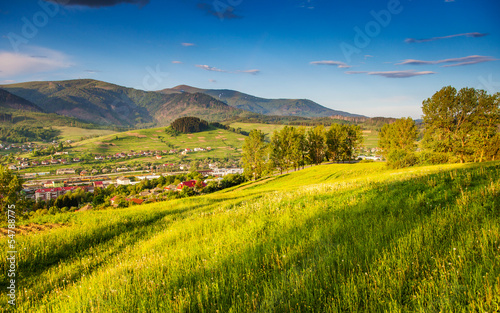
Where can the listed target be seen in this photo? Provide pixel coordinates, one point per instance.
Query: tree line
(294, 147)
(459, 126)
(20, 134)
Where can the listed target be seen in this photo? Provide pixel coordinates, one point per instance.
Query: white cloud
(214, 69)
(339, 64)
(33, 60)
(472, 59)
(188, 44)
(472, 35)
(253, 72)
(394, 74)
(177, 62)
(210, 68)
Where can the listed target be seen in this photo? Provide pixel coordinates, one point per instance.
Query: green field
(221, 141)
(267, 129)
(76, 133)
(330, 238)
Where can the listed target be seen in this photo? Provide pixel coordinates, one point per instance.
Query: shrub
(400, 158)
(431, 158)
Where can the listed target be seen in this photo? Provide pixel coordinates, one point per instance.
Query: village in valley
(50, 177)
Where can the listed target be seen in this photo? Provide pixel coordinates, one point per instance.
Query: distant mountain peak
(280, 107)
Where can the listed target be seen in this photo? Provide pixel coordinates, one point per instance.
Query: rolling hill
(222, 142)
(331, 238)
(280, 107)
(13, 102)
(108, 104)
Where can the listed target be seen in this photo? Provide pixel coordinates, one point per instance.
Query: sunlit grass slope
(219, 140)
(353, 237)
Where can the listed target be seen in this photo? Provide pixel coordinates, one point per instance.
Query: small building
(190, 184)
(170, 188)
(135, 200)
(226, 171)
(65, 171)
(123, 181)
(52, 193)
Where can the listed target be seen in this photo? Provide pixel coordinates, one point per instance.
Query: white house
(123, 181)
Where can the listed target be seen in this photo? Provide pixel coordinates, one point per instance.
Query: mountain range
(104, 103)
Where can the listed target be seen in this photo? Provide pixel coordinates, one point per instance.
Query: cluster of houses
(26, 162)
(157, 154)
(27, 147)
(53, 189)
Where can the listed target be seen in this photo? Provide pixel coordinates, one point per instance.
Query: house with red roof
(52, 193)
(190, 184)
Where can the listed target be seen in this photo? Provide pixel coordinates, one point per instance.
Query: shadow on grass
(377, 225)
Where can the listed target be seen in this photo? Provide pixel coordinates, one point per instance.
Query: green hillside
(280, 107)
(108, 104)
(11, 101)
(329, 238)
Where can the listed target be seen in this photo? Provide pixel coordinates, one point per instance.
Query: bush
(401, 158)
(431, 158)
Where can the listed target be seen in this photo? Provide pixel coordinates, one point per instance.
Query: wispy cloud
(473, 35)
(98, 3)
(7, 81)
(177, 62)
(92, 71)
(187, 44)
(214, 69)
(220, 11)
(393, 74)
(212, 80)
(356, 72)
(338, 64)
(34, 60)
(253, 72)
(210, 68)
(472, 59)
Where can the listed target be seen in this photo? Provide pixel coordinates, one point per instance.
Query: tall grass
(327, 239)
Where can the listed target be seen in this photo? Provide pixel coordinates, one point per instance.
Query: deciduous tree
(254, 155)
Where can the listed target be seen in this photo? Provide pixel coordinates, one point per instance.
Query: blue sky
(376, 58)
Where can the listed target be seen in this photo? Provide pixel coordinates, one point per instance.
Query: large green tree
(342, 142)
(463, 124)
(10, 191)
(288, 148)
(254, 155)
(402, 134)
(316, 144)
(398, 142)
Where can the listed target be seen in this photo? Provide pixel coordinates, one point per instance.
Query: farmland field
(75, 133)
(221, 141)
(340, 237)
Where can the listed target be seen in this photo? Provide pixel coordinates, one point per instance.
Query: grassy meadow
(330, 238)
(221, 141)
(76, 133)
